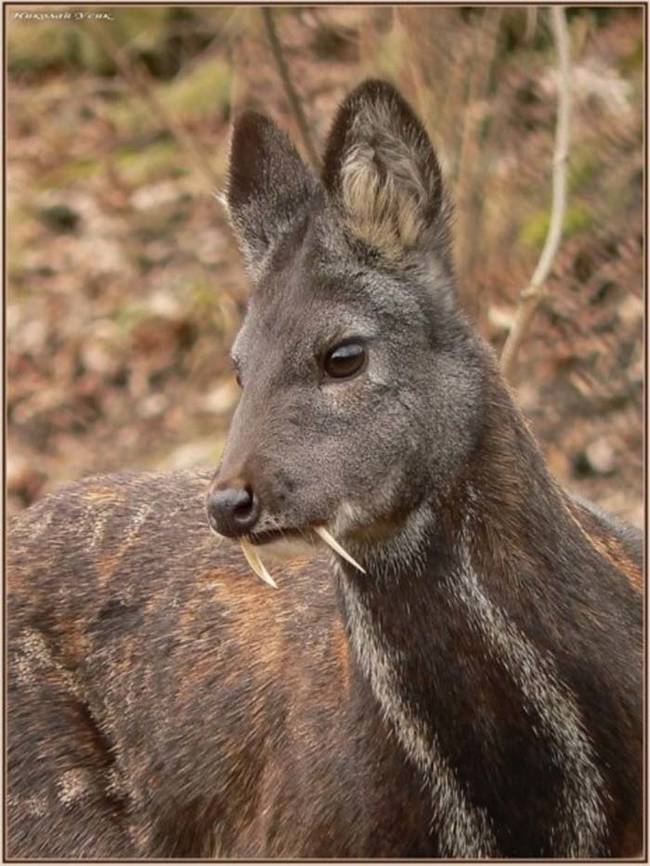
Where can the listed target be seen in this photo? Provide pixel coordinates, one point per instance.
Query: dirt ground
(124, 284)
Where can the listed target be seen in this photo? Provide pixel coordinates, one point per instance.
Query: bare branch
(531, 24)
(137, 77)
(468, 178)
(532, 295)
(292, 96)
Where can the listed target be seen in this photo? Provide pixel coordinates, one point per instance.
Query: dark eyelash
(236, 370)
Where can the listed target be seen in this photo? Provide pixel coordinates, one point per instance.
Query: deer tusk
(336, 547)
(253, 559)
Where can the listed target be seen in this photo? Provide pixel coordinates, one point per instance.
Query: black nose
(233, 511)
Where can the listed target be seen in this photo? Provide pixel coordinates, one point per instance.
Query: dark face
(359, 396)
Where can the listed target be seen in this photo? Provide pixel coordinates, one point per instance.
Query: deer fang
(253, 559)
(336, 547)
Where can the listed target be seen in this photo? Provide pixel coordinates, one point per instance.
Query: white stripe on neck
(463, 830)
(581, 830)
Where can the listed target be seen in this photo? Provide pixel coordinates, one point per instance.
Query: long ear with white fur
(382, 172)
(268, 186)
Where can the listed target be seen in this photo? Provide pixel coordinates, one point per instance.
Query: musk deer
(459, 674)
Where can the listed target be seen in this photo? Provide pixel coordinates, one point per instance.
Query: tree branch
(292, 96)
(468, 177)
(532, 295)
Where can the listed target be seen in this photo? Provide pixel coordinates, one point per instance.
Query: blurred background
(124, 284)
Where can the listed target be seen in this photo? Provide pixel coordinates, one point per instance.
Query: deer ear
(268, 186)
(381, 170)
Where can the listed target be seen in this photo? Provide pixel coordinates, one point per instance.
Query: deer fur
(476, 693)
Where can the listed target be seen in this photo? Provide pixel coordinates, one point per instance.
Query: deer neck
(446, 629)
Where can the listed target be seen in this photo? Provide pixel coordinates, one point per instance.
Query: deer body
(475, 693)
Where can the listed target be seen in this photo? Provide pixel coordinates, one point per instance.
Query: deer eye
(345, 360)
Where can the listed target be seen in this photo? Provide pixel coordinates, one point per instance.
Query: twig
(468, 193)
(138, 78)
(531, 296)
(292, 96)
(531, 24)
